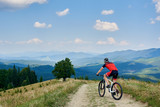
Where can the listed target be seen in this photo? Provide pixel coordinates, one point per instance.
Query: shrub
(40, 85)
(20, 91)
(86, 77)
(1, 89)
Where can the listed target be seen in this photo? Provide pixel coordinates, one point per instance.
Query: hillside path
(87, 96)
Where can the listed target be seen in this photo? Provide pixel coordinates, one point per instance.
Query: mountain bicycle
(115, 88)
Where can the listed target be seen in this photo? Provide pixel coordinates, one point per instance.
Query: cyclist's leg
(105, 77)
(115, 78)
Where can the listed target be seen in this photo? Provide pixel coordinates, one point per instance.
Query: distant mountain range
(142, 64)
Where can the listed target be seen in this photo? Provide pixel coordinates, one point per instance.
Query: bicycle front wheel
(101, 88)
(117, 91)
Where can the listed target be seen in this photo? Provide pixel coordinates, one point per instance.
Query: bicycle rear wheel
(101, 88)
(117, 95)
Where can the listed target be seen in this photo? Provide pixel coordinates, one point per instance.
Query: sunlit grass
(35, 94)
(143, 91)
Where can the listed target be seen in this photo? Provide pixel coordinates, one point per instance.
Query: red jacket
(110, 66)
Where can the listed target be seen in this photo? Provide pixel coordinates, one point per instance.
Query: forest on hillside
(14, 77)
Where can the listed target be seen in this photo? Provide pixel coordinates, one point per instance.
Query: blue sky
(95, 26)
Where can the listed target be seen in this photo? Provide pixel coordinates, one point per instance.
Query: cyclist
(113, 71)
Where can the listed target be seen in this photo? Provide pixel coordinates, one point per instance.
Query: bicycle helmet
(106, 60)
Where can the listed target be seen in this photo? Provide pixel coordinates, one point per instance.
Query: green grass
(143, 91)
(55, 93)
(57, 98)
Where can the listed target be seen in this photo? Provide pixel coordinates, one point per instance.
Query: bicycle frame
(109, 89)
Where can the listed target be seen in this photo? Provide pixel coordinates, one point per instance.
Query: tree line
(13, 77)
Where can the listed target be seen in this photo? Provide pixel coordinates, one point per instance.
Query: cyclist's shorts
(113, 73)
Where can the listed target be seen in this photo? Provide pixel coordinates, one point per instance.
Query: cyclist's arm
(100, 70)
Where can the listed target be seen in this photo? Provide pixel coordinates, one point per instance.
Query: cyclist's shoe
(114, 93)
(108, 86)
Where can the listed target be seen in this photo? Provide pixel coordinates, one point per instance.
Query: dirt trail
(87, 96)
(79, 99)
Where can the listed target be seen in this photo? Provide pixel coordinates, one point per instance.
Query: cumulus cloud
(100, 25)
(112, 41)
(152, 21)
(77, 40)
(107, 12)
(80, 41)
(63, 13)
(42, 25)
(17, 4)
(157, 5)
(49, 26)
(158, 18)
(31, 41)
(109, 41)
(123, 43)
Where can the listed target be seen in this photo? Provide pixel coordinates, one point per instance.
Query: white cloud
(159, 38)
(152, 21)
(34, 41)
(100, 25)
(158, 18)
(101, 42)
(39, 25)
(109, 41)
(42, 25)
(63, 13)
(80, 41)
(107, 12)
(123, 43)
(157, 5)
(112, 41)
(31, 41)
(16, 4)
(49, 26)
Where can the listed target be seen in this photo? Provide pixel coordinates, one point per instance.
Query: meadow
(53, 93)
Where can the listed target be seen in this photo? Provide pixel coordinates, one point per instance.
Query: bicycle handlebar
(100, 75)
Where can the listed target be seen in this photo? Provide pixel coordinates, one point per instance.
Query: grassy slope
(143, 91)
(48, 93)
(55, 93)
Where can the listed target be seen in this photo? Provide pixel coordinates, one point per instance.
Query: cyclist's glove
(97, 74)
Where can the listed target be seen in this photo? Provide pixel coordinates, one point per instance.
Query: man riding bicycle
(113, 71)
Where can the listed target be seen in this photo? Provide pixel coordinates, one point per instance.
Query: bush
(81, 78)
(16, 91)
(20, 91)
(1, 89)
(40, 85)
(86, 77)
